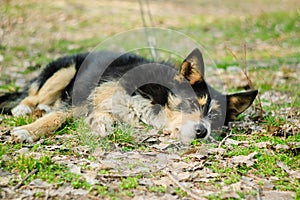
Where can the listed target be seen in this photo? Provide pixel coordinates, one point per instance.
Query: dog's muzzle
(200, 131)
(195, 130)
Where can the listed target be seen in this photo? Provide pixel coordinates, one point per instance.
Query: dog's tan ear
(192, 67)
(238, 103)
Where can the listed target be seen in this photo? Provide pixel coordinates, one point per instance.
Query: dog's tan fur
(42, 127)
(49, 93)
(109, 102)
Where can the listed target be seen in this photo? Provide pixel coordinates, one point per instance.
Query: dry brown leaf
(164, 181)
(281, 147)
(39, 183)
(295, 174)
(247, 160)
(262, 144)
(284, 195)
(75, 169)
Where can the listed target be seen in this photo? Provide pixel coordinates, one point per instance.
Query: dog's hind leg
(42, 127)
(47, 95)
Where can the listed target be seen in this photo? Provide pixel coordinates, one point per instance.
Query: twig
(149, 36)
(25, 178)
(115, 175)
(174, 180)
(258, 189)
(224, 139)
(128, 175)
(47, 195)
(245, 71)
(93, 197)
(290, 114)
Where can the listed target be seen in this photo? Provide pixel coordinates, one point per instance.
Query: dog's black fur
(156, 82)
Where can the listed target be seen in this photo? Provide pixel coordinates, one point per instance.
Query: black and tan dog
(109, 87)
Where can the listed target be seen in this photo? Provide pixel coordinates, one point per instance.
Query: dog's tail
(9, 100)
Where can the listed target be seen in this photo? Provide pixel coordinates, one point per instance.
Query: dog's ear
(238, 103)
(192, 67)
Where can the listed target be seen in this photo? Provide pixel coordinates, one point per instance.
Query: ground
(252, 43)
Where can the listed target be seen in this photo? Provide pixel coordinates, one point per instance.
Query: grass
(158, 189)
(266, 164)
(272, 48)
(46, 170)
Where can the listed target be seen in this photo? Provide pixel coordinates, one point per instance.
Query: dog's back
(125, 87)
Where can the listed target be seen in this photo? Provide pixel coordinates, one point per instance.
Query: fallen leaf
(230, 195)
(184, 176)
(23, 151)
(75, 169)
(284, 195)
(164, 181)
(39, 183)
(262, 145)
(146, 182)
(90, 177)
(231, 142)
(247, 160)
(281, 147)
(295, 174)
(4, 180)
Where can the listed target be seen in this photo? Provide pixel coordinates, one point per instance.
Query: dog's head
(194, 114)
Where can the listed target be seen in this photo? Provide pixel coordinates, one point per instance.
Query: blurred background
(262, 35)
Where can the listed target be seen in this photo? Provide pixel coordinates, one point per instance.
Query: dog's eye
(188, 105)
(212, 112)
(205, 109)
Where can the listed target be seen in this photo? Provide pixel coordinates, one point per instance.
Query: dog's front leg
(42, 127)
(101, 123)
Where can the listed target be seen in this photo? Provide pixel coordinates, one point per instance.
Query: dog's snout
(201, 131)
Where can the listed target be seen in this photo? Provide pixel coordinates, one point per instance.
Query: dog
(108, 87)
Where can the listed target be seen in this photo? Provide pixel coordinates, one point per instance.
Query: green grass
(158, 189)
(180, 192)
(274, 28)
(17, 121)
(129, 183)
(265, 165)
(46, 170)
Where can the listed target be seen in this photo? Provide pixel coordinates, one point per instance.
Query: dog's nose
(200, 130)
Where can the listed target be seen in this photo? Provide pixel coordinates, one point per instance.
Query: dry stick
(246, 74)
(189, 193)
(93, 197)
(249, 80)
(225, 138)
(286, 117)
(246, 68)
(47, 195)
(258, 195)
(25, 178)
(128, 175)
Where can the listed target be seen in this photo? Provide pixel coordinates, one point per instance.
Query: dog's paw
(21, 110)
(101, 126)
(43, 107)
(21, 135)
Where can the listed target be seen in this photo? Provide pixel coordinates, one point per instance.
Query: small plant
(158, 189)
(180, 192)
(129, 183)
(69, 126)
(17, 121)
(102, 190)
(121, 134)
